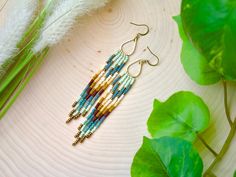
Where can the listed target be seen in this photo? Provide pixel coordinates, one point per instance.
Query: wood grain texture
(34, 139)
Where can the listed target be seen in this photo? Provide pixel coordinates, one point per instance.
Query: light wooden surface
(34, 139)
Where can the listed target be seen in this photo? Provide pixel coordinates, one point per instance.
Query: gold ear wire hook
(144, 25)
(157, 58)
(135, 39)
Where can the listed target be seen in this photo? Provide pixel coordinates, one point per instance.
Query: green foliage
(166, 157)
(194, 63)
(183, 115)
(210, 25)
(13, 90)
(208, 31)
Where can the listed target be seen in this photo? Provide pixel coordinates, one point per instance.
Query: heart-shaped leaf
(183, 115)
(210, 25)
(194, 63)
(166, 157)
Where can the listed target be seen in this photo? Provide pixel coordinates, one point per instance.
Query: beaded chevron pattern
(105, 105)
(98, 84)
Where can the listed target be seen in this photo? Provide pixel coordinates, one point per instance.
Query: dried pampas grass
(26, 47)
(63, 18)
(14, 28)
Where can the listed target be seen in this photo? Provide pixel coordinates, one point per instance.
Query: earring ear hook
(157, 58)
(144, 25)
(135, 39)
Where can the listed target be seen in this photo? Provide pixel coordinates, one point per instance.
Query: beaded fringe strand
(105, 105)
(98, 84)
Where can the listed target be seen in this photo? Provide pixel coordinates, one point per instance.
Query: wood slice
(34, 139)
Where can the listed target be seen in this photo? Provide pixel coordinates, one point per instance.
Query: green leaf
(166, 157)
(235, 174)
(156, 103)
(210, 25)
(183, 115)
(195, 64)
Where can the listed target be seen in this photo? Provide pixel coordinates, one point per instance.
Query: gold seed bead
(89, 135)
(76, 116)
(82, 140)
(81, 125)
(76, 142)
(74, 104)
(85, 113)
(72, 112)
(77, 134)
(69, 120)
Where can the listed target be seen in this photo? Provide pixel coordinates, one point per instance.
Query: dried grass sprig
(52, 23)
(13, 30)
(66, 12)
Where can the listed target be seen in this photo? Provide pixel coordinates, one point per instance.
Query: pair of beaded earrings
(106, 89)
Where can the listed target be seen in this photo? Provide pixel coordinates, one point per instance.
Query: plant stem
(34, 29)
(226, 103)
(24, 60)
(207, 146)
(6, 94)
(210, 174)
(24, 82)
(230, 136)
(224, 148)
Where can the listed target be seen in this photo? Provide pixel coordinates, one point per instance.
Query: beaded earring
(101, 80)
(110, 99)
